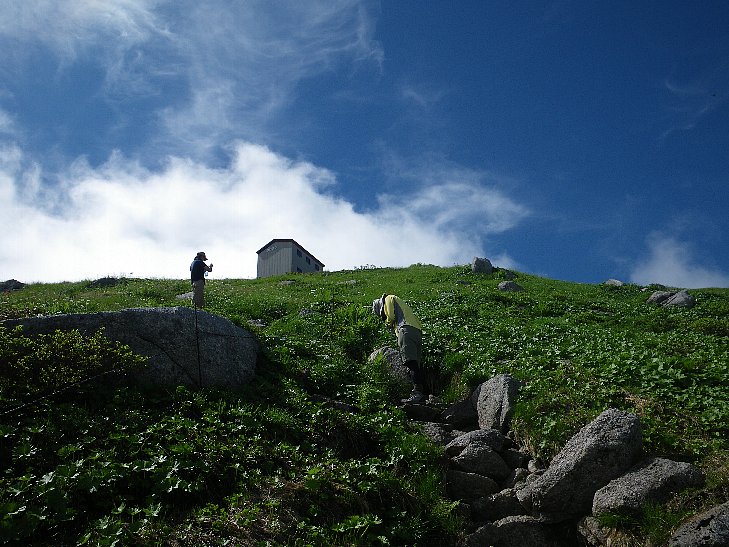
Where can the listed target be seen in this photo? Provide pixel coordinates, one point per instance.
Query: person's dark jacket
(197, 270)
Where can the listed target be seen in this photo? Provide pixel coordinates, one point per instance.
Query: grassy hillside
(281, 464)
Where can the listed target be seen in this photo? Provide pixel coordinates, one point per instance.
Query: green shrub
(711, 326)
(47, 362)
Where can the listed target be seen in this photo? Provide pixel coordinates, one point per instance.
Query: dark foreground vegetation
(280, 463)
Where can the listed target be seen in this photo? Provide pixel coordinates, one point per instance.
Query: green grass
(276, 464)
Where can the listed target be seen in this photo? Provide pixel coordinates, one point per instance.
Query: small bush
(47, 362)
(711, 326)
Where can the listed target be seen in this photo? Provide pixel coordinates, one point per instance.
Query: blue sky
(576, 140)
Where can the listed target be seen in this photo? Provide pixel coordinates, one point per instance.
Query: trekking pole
(197, 341)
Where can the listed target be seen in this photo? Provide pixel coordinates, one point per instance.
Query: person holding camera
(198, 269)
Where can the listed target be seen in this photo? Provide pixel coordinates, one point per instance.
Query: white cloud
(671, 262)
(123, 219)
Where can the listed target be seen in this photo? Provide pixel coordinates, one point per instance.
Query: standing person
(398, 315)
(197, 277)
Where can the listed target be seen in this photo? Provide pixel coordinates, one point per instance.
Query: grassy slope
(278, 464)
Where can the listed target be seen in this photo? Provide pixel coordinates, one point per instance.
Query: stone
(515, 459)
(516, 478)
(681, 299)
(600, 452)
(490, 437)
(659, 297)
(496, 401)
(482, 459)
(510, 286)
(463, 413)
(496, 506)
(105, 282)
(439, 433)
(708, 529)
(614, 283)
(169, 338)
(392, 359)
(651, 481)
(481, 265)
(461, 485)
(11, 285)
(519, 530)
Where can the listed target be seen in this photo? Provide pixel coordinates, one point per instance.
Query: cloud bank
(122, 219)
(672, 262)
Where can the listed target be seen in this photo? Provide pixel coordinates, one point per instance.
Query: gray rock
(510, 286)
(614, 283)
(600, 452)
(104, 282)
(515, 458)
(481, 265)
(681, 299)
(490, 437)
(708, 529)
(659, 297)
(651, 481)
(482, 459)
(11, 285)
(495, 402)
(167, 336)
(393, 361)
(517, 476)
(520, 530)
(496, 506)
(463, 413)
(440, 433)
(461, 485)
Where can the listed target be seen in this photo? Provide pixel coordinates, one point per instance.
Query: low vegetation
(281, 464)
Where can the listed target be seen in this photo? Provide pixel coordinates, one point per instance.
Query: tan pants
(198, 293)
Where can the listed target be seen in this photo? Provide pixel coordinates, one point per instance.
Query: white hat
(377, 306)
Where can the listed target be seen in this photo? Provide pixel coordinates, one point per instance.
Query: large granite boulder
(672, 299)
(184, 346)
(600, 452)
(681, 299)
(651, 481)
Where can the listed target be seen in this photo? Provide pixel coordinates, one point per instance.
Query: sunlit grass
(277, 461)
